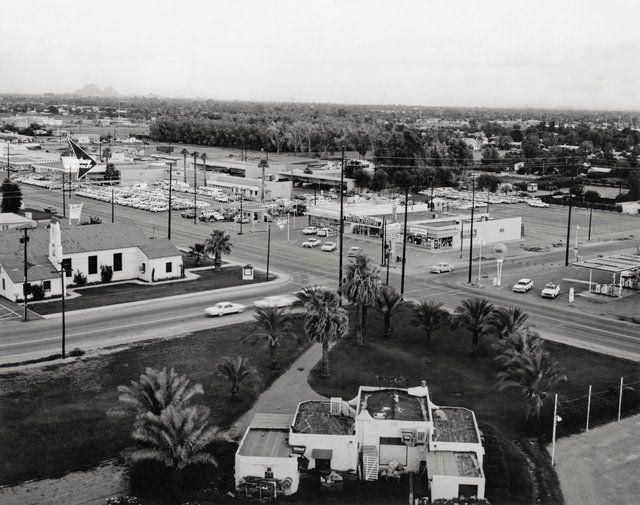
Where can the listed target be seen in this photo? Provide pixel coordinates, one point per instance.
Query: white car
(441, 267)
(354, 251)
(312, 242)
(522, 286)
(223, 308)
(537, 203)
(329, 246)
(310, 230)
(279, 301)
(551, 290)
(323, 232)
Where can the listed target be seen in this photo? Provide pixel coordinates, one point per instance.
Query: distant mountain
(93, 90)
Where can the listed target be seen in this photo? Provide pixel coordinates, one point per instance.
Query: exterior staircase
(370, 462)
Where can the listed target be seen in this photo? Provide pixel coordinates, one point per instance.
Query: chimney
(55, 242)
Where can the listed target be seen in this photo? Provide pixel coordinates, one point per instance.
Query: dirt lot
(601, 466)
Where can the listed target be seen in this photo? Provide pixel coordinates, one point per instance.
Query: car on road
(211, 216)
(312, 242)
(522, 286)
(551, 290)
(310, 230)
(223, 308)
(51, 209)
(279, 301)
(329, 246)
(189, 214)
(354, 251)
(323, 232)
(441, 267)
(535, 202)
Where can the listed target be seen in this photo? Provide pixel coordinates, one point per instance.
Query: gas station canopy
(616, 263)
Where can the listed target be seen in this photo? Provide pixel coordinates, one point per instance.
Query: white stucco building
(125, 248)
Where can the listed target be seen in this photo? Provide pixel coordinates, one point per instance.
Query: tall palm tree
(106, 155)
(506, 321)
(184, 153)
(218, 243)
(204, 157)
(360, 285)
(516, 344)
(473, 314)
(272, 325)
(155, 391)
(430, 316)
(237, 371)
(389, 301)
(195, 155)
(177, 437)
(198, 250)
(535, 374)
(326, 321)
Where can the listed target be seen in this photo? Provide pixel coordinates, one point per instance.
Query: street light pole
(241, 215)
(64, 203)
(170, 203)
(112, 204)
(64, 294)
(590, 216)
(268, 248)
(341, 225)
(473, 206)
(25, 290)
(404, 236)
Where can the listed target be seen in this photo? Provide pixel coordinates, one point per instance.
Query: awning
(321, 453)
(615, 264)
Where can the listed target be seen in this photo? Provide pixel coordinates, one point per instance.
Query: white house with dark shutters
(125, 248)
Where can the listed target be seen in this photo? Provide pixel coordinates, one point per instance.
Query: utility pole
(64, 295)
(25, 290)
(384, 243)
(566, 256)
(241, 215)
(170, 203)
(590, 216)
(195, 186)
(473, 206)
(404, 236)
(8, 164)
(341, 225)
(268, 248)
(64, 203)
(113, 204)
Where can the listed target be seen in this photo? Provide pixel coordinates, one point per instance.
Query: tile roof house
(85, 249)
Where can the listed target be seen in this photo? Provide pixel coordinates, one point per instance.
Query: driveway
(601, 466)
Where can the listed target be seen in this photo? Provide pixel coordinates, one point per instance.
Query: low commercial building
(381, 432)
(84, 249)
(9, 221)
(253, 189)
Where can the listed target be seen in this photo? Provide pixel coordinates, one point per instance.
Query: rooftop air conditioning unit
(408, 436)
(335, 407)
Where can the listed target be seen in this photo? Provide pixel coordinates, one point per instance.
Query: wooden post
(588, 407)
(553, 435)
(620, 398)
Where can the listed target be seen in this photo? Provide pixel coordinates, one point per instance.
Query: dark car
(51, 209)
(189, 214)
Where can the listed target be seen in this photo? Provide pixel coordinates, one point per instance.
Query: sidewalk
(601, 466)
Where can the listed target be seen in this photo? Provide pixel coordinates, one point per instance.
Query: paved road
(304, 266)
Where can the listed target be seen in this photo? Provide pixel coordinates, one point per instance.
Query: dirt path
(602, 466)
(286, 392)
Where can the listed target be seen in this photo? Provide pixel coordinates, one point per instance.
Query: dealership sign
(366, 220)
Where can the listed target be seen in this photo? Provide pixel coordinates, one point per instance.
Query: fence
(611, 207)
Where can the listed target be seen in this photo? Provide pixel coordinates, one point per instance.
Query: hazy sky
(582, 53)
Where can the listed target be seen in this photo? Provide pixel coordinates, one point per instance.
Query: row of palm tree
(196, 155)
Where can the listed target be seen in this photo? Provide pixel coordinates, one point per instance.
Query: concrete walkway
(286, 392)
(601, 466)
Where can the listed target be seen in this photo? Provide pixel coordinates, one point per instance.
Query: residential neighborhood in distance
(258, 253)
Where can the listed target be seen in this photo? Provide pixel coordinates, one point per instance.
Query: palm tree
(195, 155)
(272, 325)
(473, 314)
(218, 243)
(203, 157)
(516, 344)
(535, 374)
(326, 321)
(106, 155)
(198, 250)
(238, 372)
(155, 391)
(360, 285)
(506, 321)
(389, 301)
(177, 438)
(184, 153)
(430, 316)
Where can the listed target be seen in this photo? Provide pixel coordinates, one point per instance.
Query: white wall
(131, 261)
(251, 466)
(159, 265)
(344, 447)
(446, 486)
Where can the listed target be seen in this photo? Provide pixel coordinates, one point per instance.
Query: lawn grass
(457, 378)
(54, 419)
(111, 294)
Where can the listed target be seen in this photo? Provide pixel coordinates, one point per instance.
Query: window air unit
(408, 436)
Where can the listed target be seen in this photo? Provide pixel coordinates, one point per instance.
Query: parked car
(551, 290)
(537, 203)
(189, 214)
(523, 285)
(354, 251)
(51, 209)
(310, 230)
(329, 246)
(323, 232)
(312, 242)
(279, 301)
(211, 216)
(441, 267)
(223, 308)
(245, 220)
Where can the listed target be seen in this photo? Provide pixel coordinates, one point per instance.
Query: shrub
(79, 279)
(37, 292)
(76, 352)
(106, 273)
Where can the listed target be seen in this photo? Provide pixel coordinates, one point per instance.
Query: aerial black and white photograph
(309, 252)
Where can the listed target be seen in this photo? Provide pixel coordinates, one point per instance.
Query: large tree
(506, 321)
(218, 243)
(473, 314)
(184, 153)
(325, 322)
(11, 196)
(272, 325)
(389, 301)
(430, 316)
(360, 285)
(238, 372)
(204, 157)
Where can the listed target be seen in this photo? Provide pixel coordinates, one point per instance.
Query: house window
(169, 267)
(93, 265)
(46, 285)
(117, 262)
(66, 266)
